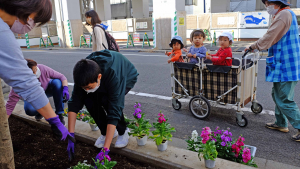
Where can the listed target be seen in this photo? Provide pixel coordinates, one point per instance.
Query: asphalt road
(154, 78)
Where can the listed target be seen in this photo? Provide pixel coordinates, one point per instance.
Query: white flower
(194, 133)
(195, 139)
(197, 149)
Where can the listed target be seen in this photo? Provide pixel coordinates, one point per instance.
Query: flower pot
(141, 141)
(162, 146)
(252, 150)
(209, 163)
(94, 127)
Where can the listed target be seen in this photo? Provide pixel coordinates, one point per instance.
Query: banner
(254, 19)
(136, 37)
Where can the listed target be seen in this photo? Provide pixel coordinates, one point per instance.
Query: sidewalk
(176, 156)
(237, 47)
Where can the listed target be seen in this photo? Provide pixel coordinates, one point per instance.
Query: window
(117, 1)
(190, 2)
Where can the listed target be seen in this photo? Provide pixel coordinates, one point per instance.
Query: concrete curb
(172, 158)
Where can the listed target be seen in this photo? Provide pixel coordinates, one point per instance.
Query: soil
(36, 148)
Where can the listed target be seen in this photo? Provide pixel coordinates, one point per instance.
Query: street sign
(136, 37)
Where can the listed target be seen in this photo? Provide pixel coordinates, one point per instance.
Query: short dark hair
(94, 17)
(278, 3)
(23, 8)
(31, 63)
(174, 41)
(85, 72)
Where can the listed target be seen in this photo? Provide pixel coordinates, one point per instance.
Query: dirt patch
(36, 148)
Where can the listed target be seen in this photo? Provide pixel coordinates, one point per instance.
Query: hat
(285, 2)
(177, 38)
(228, 35)
(196, 30)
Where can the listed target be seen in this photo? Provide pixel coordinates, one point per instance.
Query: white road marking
(245, 109)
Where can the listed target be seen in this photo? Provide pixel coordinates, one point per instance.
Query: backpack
(111, 42)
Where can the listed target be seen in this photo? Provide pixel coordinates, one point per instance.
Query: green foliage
(208, 151)
(194, 145)
(105, 165)
(139, 127)
(162, 132)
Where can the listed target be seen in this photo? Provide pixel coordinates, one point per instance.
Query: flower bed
(36, 148)
(219, 143)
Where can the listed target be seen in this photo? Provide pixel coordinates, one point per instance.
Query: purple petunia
(138, 116)
(223, 144)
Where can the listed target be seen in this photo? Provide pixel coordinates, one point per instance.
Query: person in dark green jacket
(101, 82)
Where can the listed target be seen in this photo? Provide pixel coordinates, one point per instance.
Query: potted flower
(208, 149)
(140, 127)
(194, 142)
(93, 124)
(162, 133)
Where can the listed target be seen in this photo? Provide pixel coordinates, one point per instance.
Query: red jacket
(220, 57)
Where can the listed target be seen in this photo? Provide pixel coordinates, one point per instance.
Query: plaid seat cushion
(213, 84)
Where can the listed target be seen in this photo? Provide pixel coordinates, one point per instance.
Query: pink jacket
(46, 75)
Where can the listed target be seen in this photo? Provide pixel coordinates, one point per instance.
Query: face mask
(19, 28)
(271, 10)
(89, 20)
(38, 72)
(93, 90)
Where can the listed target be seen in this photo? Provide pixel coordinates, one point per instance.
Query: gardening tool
(71, 148)
(65, 99)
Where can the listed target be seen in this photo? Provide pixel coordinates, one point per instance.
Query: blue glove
(66, 94)
(71, 148)
(103, 152)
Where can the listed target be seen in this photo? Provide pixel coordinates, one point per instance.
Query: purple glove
(71, 148)
(59, 130)
(66, 93)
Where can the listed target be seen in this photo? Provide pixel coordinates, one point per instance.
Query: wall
(219, 6)
(118, 11)
(243, 6)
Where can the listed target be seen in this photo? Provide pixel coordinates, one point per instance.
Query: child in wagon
(197, 50)
(225, 41)
(176, 55)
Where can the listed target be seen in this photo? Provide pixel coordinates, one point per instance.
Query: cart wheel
(177, 106)
(200, 107)
(258, 109)
(242, 123)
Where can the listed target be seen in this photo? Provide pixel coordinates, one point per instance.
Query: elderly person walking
(282, 63)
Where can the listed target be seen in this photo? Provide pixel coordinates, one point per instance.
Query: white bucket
(162, 146)
(94, 127)
(141, 141)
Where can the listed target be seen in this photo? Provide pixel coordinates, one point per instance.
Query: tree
(6, 148)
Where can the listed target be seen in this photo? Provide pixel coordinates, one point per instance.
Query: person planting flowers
(140, 127)
(101, 82)
(162, 132)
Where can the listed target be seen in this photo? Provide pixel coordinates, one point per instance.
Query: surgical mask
(271, 10)
(38, 72)
(19, 28)
(93, 90)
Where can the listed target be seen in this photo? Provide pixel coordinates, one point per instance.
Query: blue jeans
(55, 90)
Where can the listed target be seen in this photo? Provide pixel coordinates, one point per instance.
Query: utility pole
(6, 148)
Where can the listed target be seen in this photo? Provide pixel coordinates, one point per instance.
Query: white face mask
(93, 90)
(271, 10)
(38, 72)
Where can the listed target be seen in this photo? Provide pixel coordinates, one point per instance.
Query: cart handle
(247, 51)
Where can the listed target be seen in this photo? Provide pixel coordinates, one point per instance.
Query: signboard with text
(254, 19)
(136, 37)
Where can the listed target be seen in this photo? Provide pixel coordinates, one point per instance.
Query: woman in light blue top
(20, 17)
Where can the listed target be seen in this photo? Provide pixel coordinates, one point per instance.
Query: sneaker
(38, 117)
(122, 141)
(296, 137)
(62, 119)
(273, 126)
(101, 140)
